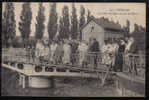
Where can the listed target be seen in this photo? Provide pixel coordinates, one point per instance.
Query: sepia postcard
(73, 49)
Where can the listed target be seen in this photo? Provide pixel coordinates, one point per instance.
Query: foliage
(74, 23)
(52, 25)
(64, 32)
(127, 29)
(25, 22)
(61, 28)
(89, 17)
(40, 22)
(139, 37)
(8, 24)
(82, 19)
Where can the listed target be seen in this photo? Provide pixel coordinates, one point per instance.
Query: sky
(118, 12)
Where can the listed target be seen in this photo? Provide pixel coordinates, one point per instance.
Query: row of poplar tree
(65, 28)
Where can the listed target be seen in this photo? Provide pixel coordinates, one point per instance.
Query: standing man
(67, 52)
(74, 47)
(119, 57)
(53, 47)
(82, 48)
(132, 49)
(95, 50)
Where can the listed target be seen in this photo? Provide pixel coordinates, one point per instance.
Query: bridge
(37, 75)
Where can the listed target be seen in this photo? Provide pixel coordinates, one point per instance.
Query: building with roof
(101, 29)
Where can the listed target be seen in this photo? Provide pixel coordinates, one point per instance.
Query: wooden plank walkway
(82, 72)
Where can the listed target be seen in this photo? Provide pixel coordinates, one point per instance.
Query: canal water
(65, 87)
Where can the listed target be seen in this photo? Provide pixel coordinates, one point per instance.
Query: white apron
(67, 52)
(82, 52)
(52, 50)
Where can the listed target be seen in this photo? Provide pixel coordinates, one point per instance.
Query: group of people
(65, 51)
(73, 51)
(114, 52)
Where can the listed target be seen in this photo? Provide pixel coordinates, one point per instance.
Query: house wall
(97, 32)
(113, 35)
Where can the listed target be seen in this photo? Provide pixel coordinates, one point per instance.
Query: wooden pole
(52, 82)
(98, 79)
(23, 81)
(20, 79)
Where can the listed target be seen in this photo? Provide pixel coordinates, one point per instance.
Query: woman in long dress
(39, 49)
(67, 52)
(83, 48)
(119, 58)
(59, 53)
(106, 60)
(114, 51)
(130, 60)
(46, 51)
(42, 50)
(53, 47)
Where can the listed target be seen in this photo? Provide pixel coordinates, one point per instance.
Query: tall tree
(139, 37)
(127, 29)
(128, 26)
(40, 22)
(82, 19)
(88, 16)
(4, 33)
(25, 22)
(66, 23)
(136, 28)
(74, 23)
(61, 28)
(8, 24)
(52, 25)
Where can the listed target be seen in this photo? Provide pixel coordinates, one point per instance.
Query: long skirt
(106, 59)
(82, 57)
(52, 57)
(66, 57)
(119, 62)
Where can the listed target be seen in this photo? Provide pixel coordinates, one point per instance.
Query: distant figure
(129, 45)
(59, 53)
(39, 49)
(33, 53)
(131, 49)
(42, 50)
(53, 47)
(46, 51)
(95, 50)
(119, 58)
(82, 48)
(28, 50)
(94, 46)
(106, 60)
(67, 52)
(74, 46)
(127, 51)
(114, 52)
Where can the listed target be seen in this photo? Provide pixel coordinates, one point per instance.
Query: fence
(132, 63)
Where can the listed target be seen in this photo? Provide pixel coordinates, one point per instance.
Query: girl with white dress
(53, 47)
(106, 49)
(67, 52)
(83, 48)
